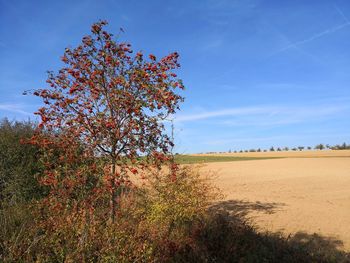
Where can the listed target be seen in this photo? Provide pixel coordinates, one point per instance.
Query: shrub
(15, 221)
(154, 223)
(171, 207)
(18, 163)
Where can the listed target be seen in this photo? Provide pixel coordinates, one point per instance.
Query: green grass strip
(189, 159)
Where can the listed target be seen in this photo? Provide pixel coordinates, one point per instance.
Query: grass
(190, 159)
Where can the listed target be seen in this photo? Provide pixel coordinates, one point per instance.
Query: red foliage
(105, 104)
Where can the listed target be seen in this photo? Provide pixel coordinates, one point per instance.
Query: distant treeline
(320, 146)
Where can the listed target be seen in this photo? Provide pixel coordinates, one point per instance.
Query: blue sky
(257, 73)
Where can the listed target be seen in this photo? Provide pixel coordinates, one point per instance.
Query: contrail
(341, 14)
(321, 34)
(326, 32)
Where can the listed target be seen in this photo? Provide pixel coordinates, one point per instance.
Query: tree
(301, 148)
(319, 147)
(109, 104)
(272, 149)
(285, 149)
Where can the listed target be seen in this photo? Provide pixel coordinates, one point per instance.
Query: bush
(18, 163)
(155, 223)
(15, 221)
(171, 207)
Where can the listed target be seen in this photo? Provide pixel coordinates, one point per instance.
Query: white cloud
(275, 139)
(244, 139)
(16, 108)
(219, 113)
(264, 115)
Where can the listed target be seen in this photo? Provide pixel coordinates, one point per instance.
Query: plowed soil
(305, 194)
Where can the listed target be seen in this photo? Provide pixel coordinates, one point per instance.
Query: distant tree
(265, 150)
(229, 151)
(279, 149)
(259, 150)
(286, 149)
(319, 146)
(301, 148)
(309, 147)
(294, 149)
(343, 146)
(252, 150)
(272, 149)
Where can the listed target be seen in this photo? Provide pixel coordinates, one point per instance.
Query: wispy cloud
(214, 44)
(220, 113)
(125, 18)
(274, 139)
(264, 115)
(15, 108)
(245, 139)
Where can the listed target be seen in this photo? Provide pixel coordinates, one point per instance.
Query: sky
(258, 73)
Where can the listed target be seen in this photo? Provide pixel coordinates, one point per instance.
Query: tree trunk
(113, 191)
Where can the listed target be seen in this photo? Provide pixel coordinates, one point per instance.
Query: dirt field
(291, 194)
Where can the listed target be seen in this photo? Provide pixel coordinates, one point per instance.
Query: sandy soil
(292, 194)
(296, 154)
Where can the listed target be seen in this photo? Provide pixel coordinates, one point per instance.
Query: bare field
(291, 194)
(286, 154)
